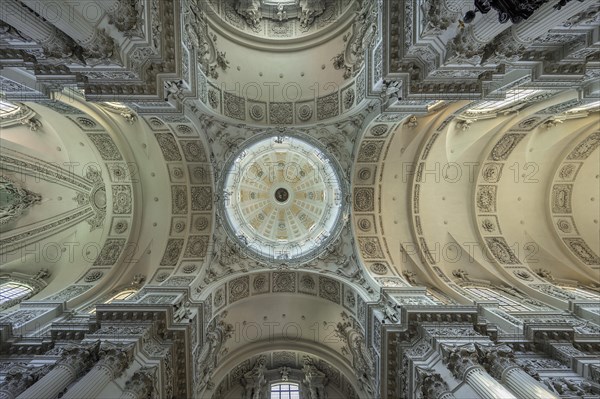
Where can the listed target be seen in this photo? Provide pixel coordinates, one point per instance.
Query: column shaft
(486, 386)
(51, 384)
(19, 17)
(91, 384)
(66, 18)
(544, 19)
(525, 386)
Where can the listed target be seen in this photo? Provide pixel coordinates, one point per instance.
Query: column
(463, 362)
(544, 19)
(97, 43)
(141, 384)
(22, 19)
(486, 27)
(114, 360)
(66, 18)
(432, 385)
(19, 379)
(75, 360)
(499, 361)
(54, 42)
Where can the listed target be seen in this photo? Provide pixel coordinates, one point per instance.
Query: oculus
(283, 198)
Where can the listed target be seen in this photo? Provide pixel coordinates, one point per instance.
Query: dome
(284, 198)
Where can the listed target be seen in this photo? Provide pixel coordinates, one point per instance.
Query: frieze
(239, 289)
(364, 199)
(178, 281)
(566, 225)
(304, 111)
(561, 198)
(68, 293)
(492, 172)
(281, 113)
(193, 150)
(106, 146)
(329, 289)
(328, 106)
(22, 316)
(122, 199)
(505, 146)
(110, 253)
(93, 275)
(486, 198)
(501, 251)
(200, 223)
(370, 248)
(257, 111)
(569, 170)
(202, 198)
(307, 284)
(284, 282)
(584, 149)
(234, 106)
(580, 248)
(429, 146)
(366, 223)
(370, 151)
(379, 268)
(489, 224)
(196, 247)
(168, 146)
(260, 284)
(172, 252)
(349, 298)
(348, 97)
(179, 204)
(158, 299)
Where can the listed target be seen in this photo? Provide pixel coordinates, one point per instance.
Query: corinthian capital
(496, 359)
(116, 358)
(142, 382)
(432, 384)
(80, 357)
(459, 359)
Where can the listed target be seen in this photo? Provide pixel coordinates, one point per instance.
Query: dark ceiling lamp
(513, 10)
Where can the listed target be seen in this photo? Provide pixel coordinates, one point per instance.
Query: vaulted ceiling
(462, 153)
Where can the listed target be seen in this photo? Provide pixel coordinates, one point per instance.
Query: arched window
(13, 291)
(488, 294)
(122, 295)
(119, 296)
(515, 99)
(285, 390)
(7, 108)
(591, 107)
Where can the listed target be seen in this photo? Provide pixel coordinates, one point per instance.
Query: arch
(12, 291)
(17, 287)
(305, 283)
(331, 363)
